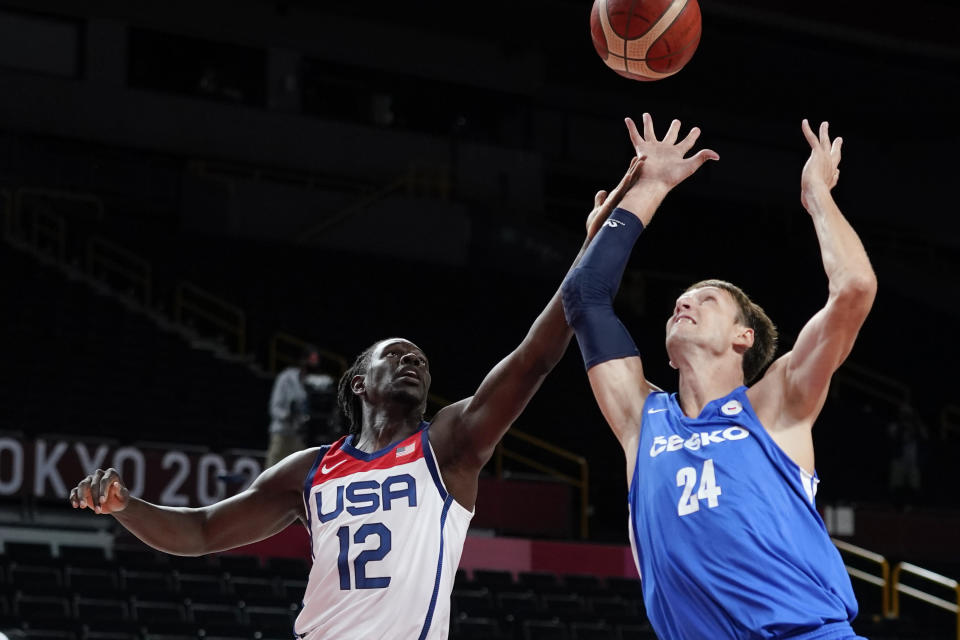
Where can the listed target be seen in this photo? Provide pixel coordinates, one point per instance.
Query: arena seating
(140, 594)
(108, 371)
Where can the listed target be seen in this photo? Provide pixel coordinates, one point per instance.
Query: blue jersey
(725, 533)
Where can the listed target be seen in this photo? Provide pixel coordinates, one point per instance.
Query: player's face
(706, 316)
(398, 370)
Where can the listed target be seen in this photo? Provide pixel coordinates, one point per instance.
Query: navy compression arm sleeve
(589, 289)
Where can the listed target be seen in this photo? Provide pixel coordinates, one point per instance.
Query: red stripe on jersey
(339, 462)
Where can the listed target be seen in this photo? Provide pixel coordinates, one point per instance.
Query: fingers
(95, 490)
(702, 156)
(80, 495)
(672, 133)
(648, 133)
(687, 143)
(633, 172)
(808, 134)
(825, 134)
(599, 198)
(835, 148)
(627, 181)
(635, 138)
(821, 138)
(109, 479)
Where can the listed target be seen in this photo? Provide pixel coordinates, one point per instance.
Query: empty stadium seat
(545, 630)
(88, 609)
(476, 629)
(494, 580)
(592, 631)
(475, 603)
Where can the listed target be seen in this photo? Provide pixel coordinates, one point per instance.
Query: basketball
(645, 39)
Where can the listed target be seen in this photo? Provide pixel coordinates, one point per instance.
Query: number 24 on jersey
(708, 489)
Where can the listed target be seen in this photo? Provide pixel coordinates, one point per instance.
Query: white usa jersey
(386, 539)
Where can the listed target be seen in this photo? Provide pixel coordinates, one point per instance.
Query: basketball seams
(630, 55)
(692, 42)
(673, 21)
(614, 41)
(642, 45)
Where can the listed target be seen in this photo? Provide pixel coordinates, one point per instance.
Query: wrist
(643, 199)
(814, 194)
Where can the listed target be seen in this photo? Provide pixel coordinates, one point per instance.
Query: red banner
(167, 474)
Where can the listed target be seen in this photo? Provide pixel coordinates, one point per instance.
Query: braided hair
(350, 403)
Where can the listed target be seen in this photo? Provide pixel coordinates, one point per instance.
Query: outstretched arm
(271, 503)
(795, 386)
(465, 434)
(613, 362)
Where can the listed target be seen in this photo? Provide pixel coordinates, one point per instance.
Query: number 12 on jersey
(361, 579)
(708, 489)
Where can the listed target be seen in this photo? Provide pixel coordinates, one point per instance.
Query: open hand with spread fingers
(665, 164)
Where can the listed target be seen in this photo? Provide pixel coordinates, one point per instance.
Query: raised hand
(822, 167)
(604, 203)
(102, 491)
(665, 165)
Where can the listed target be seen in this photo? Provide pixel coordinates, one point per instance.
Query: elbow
(581, 290)
(570, 294)
(859, 291)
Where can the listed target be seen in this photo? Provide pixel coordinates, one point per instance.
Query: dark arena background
(191, 191)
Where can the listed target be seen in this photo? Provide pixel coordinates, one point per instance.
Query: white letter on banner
(210, 462)
(45, 467)
(10, 486)
(170, 495)
(87, 464)
(135, 480)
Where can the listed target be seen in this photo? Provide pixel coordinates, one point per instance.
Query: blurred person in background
(298, 410)
(906, 435)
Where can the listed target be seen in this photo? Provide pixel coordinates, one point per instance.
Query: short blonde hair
(751, 315)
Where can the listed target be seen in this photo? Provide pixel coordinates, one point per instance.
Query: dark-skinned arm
(465, 434)
(272, 502)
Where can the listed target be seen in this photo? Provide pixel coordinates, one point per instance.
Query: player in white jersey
(388, 506)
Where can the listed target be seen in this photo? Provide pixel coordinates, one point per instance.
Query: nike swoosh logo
(325, 469)
(655, 410)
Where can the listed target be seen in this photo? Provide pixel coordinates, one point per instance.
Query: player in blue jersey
(388, 506)
(721, 475)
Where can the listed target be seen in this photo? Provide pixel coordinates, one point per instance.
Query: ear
(743, 340)
(357, 384)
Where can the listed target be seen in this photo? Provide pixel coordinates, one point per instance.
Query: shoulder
(285, 377)
(447, 435)
(291, 472)
(768, 395)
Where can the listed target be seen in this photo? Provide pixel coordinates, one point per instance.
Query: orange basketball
(645, 39)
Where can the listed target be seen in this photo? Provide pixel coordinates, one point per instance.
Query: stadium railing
(108, 261)
(191, 303)
(881, 563)
(929, 578)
